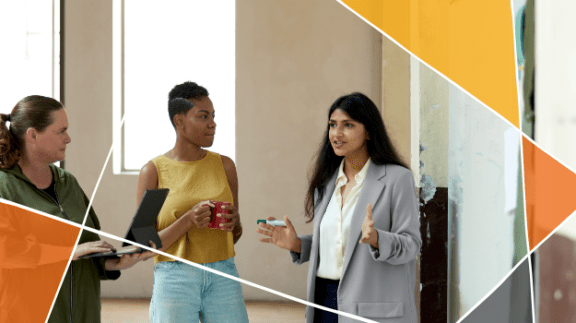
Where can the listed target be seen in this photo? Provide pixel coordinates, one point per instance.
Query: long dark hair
(380, 149)
(33, 111)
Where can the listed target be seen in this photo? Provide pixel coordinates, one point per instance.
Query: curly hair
(187, 90)
(33, 111)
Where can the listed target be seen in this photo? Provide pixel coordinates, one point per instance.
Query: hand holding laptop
(128, 260)
(92, 247)
(142, 230)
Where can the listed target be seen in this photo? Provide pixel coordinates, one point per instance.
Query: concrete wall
(293, 60)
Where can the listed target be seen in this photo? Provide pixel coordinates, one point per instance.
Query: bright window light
(29, 50)
(157, 47)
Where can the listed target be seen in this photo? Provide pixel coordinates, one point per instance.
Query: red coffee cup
(216, 220)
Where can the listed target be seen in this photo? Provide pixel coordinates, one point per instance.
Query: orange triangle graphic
(549, 192)
(34, 253)
(470, 42)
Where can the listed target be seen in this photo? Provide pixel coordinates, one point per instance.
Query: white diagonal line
(295, 299)
(512, 271)
(101, 174)
(426, 64)
(53, 217)
(81, 227)
(240, 280)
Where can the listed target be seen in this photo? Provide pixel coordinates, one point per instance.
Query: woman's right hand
(283, 237)
(92, 247)
(199, 214)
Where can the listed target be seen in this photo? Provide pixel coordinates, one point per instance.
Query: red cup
(216, 220)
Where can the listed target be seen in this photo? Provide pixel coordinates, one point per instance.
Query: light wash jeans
(182, 291)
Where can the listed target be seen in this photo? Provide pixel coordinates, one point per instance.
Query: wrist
(297, 246)
(111, 264)
(188, 220)
(374, 243)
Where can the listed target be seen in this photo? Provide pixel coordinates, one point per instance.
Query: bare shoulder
(149, 169)
(228, 163)
(148, 175)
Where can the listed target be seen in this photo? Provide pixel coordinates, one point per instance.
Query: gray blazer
(377, 284)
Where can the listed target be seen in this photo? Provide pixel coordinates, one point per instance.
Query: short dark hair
(177, 106)
(33, 111)
(188, 91)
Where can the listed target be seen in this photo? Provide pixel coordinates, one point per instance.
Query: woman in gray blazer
(363, 205)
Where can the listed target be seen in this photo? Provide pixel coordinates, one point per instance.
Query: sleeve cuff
(384, 246)
(305, 247)
(105, 274)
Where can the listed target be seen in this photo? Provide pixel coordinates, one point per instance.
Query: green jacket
(79, 296)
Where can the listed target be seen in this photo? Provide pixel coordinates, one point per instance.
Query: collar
(16, 171)
(359, 177)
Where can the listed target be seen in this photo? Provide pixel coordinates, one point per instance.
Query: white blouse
(335, 224)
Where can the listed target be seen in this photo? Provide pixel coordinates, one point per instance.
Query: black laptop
(142, 229)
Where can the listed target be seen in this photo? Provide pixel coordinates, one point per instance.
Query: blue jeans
(182, 291)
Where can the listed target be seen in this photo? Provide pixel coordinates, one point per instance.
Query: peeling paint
(434, 106)
(455, 191)
(422, 147)
(479, 154)
(428, 187)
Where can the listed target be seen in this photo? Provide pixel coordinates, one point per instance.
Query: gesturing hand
(233, 218)
(199, 214)
(92, 247)
(369, 234)
(283, 237)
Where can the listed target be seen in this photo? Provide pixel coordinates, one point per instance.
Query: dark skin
(194, 130)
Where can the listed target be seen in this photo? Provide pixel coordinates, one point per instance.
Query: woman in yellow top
(195, 177)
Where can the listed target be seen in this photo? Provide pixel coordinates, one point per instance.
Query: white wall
(555, 97)
(482, 190)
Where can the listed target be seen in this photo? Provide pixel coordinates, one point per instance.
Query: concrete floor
(136, 310)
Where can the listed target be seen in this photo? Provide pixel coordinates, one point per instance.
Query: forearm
(174, 231)
(16, 252)
(50, 254)
(111, 264)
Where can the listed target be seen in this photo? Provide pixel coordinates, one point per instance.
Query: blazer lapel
(371, 191)
(318, 215)
(321, 209)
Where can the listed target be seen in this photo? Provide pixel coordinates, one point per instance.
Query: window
(155, 48)
(29, 50)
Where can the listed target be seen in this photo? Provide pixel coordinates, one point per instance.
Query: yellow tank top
(189, 184)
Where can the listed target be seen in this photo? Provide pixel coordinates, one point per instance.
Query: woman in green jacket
(32, 137)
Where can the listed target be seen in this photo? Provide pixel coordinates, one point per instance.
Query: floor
(136, 310)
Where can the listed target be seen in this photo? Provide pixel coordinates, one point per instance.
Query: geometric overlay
(470, 42)
(34, 252)
(510, 302)
(486, 234)
(550, 192)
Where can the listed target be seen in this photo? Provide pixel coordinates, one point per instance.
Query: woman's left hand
(127, 261)
(369, 234)
(233, 218)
